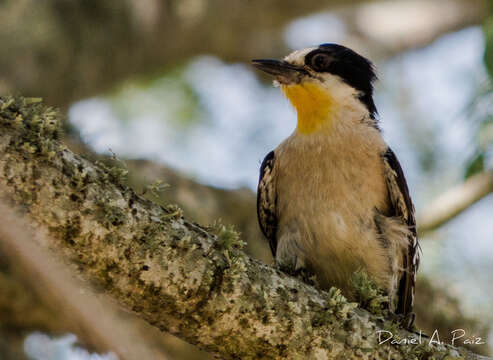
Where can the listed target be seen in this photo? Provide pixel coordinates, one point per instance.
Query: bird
(332, 198)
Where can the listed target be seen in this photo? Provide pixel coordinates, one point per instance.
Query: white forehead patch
(298, 57)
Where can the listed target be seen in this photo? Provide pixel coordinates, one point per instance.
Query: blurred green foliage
(475, 165)
(488, 53)
(482, 109)
(167, 93)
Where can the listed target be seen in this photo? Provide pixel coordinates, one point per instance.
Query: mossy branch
(175, 274)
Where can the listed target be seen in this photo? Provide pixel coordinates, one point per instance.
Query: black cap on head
(354, 69)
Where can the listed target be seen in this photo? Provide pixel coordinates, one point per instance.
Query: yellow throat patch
(313, 104)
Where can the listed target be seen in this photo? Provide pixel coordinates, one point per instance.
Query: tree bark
(177, 275)
(26, 307)
(81, 311)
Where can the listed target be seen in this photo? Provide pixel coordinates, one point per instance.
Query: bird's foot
(306, 276)
(303, 274)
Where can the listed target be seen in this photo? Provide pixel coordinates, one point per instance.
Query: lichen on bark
(175, 274)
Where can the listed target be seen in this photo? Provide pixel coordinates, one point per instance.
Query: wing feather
(266, 201)
(402, 207)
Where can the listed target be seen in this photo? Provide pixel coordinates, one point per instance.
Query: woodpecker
(332, 198)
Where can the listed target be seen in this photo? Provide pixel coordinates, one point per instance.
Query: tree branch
(95, 318)
(175, 274)
(202, 203)
(454, 201)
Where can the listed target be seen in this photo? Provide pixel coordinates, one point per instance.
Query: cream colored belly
(326, 207)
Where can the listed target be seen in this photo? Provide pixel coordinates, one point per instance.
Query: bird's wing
(403, 208)
(266, 201)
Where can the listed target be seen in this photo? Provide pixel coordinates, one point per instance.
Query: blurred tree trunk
(21, 312)
(67, 50)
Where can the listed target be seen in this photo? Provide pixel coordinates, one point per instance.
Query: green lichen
(111, 239)
(110, 215)
(113, 174)
(226, 236)
(229, 243)
(393, 327)
(69, 231)
(119, 170)
(37, 125)
(157, 188)
(368, 294)
(339, 305)
(173, 211)
(79, 178)
(339, 308)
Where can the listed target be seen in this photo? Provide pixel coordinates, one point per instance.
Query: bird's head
(324, 83)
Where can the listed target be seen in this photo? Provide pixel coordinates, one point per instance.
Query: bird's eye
(320, 62)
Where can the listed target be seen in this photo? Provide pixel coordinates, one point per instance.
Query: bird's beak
(283, 71)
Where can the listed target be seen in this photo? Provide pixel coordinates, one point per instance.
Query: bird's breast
(327, 193)
(345, 177)
(331, 188)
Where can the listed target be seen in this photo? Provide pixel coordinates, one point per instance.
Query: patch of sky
(38, 346)
(314, 30)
